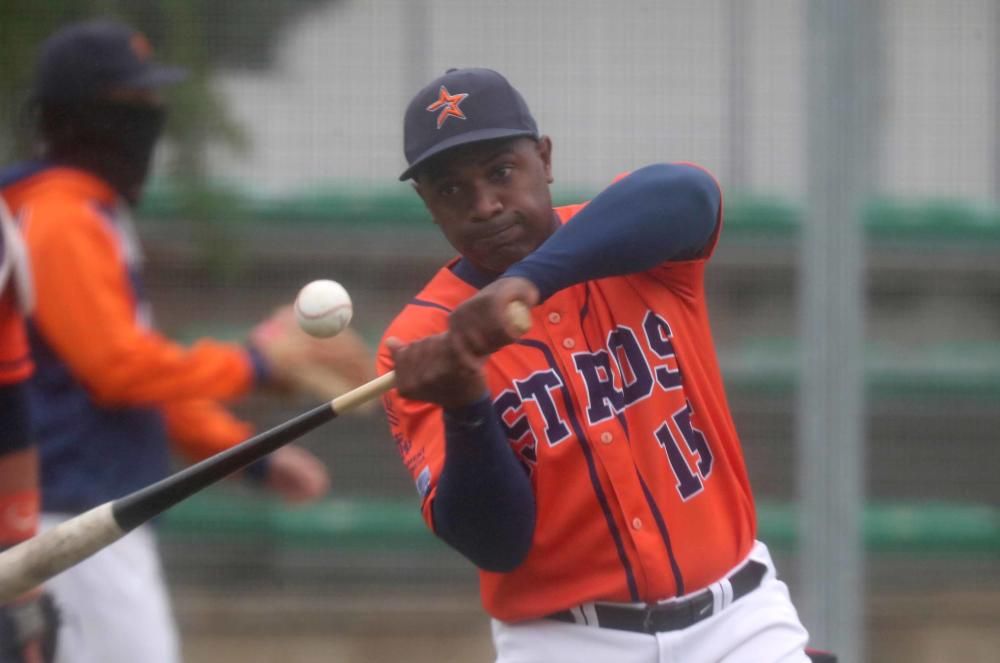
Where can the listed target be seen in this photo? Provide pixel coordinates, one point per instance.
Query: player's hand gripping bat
(51, 552)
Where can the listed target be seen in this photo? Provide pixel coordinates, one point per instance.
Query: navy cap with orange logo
(462, 106)
(85, 60)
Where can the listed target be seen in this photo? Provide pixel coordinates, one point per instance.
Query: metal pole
(841, 42)
(996, 102)
(739, 104)
(417, 45)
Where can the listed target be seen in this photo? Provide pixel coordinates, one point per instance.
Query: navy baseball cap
(462, 106)
(84, 60)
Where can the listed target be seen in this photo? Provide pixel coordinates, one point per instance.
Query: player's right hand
(482, 324)
(438, 370)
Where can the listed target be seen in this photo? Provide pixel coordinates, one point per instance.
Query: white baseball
(323, 308)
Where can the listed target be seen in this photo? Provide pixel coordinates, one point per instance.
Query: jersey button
(569, 343)
(636, 523)
(607, 437)
(554, 318)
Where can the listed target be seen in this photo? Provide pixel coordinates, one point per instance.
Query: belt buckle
(659, 617)
(647, 618)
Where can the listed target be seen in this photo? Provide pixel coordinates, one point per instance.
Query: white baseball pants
(761, 627)
(114, 606)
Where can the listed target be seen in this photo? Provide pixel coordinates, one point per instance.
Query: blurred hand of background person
(319, 367)
(296, 475)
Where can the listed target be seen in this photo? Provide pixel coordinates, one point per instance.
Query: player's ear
(544, 147)
(415, 183)
(421, 189)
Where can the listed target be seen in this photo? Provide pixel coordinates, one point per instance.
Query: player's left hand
(481, 325)
(297, 475)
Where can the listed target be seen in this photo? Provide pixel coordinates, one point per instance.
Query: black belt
(672, 616)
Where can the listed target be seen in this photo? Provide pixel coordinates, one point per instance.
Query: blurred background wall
(281, 168)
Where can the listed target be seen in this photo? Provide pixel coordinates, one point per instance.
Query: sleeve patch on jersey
(424, 481)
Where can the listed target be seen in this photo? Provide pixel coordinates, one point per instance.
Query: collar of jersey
(471, 274)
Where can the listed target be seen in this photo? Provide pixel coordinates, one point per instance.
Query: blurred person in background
(109, 392)
(27, 625)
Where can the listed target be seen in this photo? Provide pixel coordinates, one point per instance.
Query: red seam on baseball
(321, 313)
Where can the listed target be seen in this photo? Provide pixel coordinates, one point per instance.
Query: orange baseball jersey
(19, 500)
(15, 358)
(106, 380)
(15, 355)
(614, 403)
(84, 259)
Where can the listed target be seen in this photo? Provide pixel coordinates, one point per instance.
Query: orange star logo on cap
(448, 104)
(141, 46)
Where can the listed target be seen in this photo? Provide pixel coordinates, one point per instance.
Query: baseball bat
(32, 562)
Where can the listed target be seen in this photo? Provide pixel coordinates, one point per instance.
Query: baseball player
(28, 625)
(109, 391)
(590, 468)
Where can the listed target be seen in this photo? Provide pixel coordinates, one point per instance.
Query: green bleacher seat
(956, 369)
(748, 215)
(938, 528)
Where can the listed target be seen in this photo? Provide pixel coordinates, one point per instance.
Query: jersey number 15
(689, 480)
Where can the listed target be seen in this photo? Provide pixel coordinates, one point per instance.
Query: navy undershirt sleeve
(257, 472)
(658, 213)
(484, 506)
(262, 372)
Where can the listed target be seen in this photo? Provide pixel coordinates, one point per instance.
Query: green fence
(395, 525)
(755, 216)
(962, 369)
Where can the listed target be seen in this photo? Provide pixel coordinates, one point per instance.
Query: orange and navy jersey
(15, 357)
(614, 403)
(105, 378)
(19, 500)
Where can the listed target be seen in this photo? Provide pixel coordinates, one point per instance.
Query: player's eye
(448, 189)
(502, 172)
